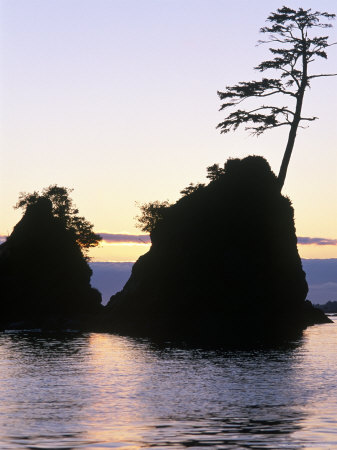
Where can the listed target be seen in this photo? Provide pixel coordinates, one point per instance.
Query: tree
(64, 210)
(188, 190)
(214, 172)
(151, 214)
(293, 51)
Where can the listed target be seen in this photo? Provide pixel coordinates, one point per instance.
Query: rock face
(44, 278)
(223, 265)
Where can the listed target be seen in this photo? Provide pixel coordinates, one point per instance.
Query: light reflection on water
(104, 391)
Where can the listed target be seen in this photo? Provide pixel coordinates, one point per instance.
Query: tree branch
(309, 118)
(257, 131)
(322, 75)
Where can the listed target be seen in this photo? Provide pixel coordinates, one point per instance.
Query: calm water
(106, 391)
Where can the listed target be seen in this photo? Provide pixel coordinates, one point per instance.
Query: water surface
(106, 391)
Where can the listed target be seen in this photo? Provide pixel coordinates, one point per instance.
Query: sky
(117, 100)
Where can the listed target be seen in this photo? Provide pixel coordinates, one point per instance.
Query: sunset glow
(168, 226)
(131, 252)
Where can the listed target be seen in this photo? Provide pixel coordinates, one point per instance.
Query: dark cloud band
(145, 239)
(316, 241)
(114, 238)
(126, 238)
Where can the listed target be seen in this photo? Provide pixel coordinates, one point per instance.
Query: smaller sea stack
(44, 278)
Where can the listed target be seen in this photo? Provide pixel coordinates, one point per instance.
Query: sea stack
(223, 266)
(44, 278)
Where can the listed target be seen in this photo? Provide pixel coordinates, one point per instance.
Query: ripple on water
(106, 391)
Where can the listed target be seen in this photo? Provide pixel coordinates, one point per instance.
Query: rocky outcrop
(44, 278)
(223, 265)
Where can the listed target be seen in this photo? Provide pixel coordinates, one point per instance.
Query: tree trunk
(289, 148)
(294, 125)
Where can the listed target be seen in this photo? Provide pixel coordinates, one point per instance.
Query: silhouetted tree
(65, 211)
(188, 190)
(151, 215)
(293, 51)
(214, 172)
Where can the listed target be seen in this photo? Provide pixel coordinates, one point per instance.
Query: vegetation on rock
(44, 277)
(152, 214)
(223, 264)
(65, 212)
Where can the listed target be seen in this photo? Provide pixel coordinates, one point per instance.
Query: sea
(99, 391)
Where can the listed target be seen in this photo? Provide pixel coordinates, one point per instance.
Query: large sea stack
(44, 278)
(223, 266)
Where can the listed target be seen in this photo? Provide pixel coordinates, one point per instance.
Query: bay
(106, 391)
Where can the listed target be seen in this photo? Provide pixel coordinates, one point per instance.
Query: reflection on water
(104, 391)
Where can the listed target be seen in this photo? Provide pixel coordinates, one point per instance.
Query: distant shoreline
(109, 277)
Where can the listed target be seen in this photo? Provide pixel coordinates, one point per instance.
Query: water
(106, 391)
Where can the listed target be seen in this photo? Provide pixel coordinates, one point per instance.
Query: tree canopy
(151, 214)
(66, 212)
(293, 49)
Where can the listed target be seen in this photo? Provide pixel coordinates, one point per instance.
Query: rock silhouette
(44, 278)
(223, 266)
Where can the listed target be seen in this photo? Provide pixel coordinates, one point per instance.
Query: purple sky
(117, 99)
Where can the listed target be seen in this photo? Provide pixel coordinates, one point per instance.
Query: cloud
(145, 239)
(316, 241)
(114, 238)
(126, 238)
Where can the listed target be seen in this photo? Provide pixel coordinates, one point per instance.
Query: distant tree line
(329, 307)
